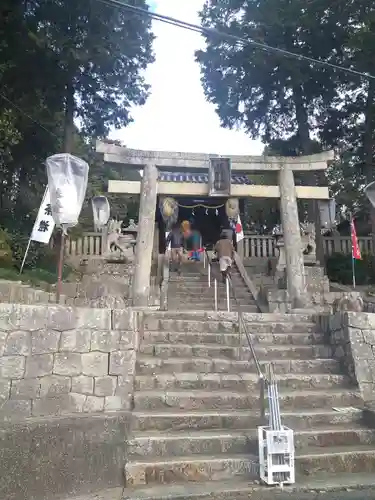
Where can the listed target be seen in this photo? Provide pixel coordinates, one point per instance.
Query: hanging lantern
(101, 211)
(67, 182)
(169, 211)
(232, 208)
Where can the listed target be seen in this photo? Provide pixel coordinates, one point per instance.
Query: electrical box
(276, 456)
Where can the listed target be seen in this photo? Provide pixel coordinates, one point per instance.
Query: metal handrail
(243, 329)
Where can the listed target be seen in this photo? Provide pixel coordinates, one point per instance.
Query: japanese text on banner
(44, 224)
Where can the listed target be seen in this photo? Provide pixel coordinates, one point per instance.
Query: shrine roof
(199, 178)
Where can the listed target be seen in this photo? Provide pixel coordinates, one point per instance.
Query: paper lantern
(232, 208)
(169, 211)
(67, 182)
(101, 211)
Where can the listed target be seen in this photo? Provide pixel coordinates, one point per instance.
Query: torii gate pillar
(292, 237)
(145, 237)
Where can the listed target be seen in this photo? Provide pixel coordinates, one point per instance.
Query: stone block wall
(56, 458)
(17, 292)
(369, 303)
(352, 336)
(58, 360)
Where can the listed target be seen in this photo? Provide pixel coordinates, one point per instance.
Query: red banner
(356, 252)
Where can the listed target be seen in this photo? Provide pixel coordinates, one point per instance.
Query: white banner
(166, 237)
(44, 224)
(239, 230)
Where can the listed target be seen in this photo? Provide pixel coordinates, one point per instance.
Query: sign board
(44, 224)
(219, 177)
(327, 209)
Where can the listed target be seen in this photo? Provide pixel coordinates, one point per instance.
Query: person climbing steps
(176, 240)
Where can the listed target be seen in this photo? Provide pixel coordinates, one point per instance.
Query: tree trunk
(69, 119)
(305, 144)
(368, 147)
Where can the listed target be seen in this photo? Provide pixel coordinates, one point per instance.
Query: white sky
(176, 116)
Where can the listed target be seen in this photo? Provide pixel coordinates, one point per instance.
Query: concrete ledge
(43, 458)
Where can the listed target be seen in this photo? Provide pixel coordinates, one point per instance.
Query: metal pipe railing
(243, 329)
(215, 284)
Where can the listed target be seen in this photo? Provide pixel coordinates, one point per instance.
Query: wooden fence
(264, 245)
(86, 245)
(254, 245)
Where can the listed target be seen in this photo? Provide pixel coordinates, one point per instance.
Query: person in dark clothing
(176, 240)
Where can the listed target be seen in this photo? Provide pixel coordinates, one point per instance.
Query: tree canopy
(296, 106)
(70, 70)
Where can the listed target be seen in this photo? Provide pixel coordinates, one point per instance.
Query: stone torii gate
(149, 187)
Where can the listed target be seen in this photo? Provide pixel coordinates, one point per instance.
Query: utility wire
(27, 115)
(242, 41)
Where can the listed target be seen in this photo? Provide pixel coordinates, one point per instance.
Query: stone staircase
(196, 407)
(190, 290)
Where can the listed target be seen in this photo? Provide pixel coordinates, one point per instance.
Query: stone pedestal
(145, 237)
(292, 238)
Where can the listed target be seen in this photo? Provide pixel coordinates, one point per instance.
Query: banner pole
(353, 269)
(24, 257)
(60, 266)
(353, 259)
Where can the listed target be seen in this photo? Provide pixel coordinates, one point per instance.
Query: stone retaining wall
(57, 360)
(47, 458)
(352, 336)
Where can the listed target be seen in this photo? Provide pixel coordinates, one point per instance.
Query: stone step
(225, 467)
(184, 325)
(202, 285)
(321, 487)
(242, 295)
(208, 292)
(263, 351)
(209, 400)
(196, 286)
(233, 339)
(340, 459)
(173, 420)
(150, 365)
(230, 327)
(225, 317)
(236, 382)
(208, 303)
(176, 305)
(217, 442)
(190, 469)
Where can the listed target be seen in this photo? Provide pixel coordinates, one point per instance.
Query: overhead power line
(27, 115)
(239, 40)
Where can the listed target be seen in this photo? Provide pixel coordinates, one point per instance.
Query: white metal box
(276, 456)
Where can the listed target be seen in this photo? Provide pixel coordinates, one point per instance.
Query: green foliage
(102, 51)
(339, 269)
(35, 277)
(62, 61)
(285, 101)
(6, 256)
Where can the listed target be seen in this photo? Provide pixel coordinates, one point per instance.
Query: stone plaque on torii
(149, 187)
